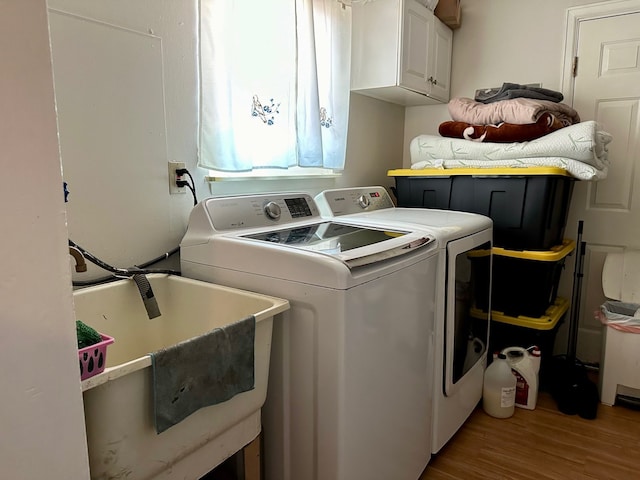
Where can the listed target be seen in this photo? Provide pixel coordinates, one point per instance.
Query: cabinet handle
(432, 80)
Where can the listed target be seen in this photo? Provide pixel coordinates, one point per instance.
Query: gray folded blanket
(202, 371)
(514, 90)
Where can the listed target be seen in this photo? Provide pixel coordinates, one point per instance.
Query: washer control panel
(249, 211)
(345, 201)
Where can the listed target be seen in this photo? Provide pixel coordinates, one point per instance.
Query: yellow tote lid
(554, 254)
(477, 172)
(547, 322)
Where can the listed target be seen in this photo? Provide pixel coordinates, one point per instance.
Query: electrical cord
(184, 183)
(160, 258)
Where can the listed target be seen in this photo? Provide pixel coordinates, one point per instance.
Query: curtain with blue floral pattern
(274, 84)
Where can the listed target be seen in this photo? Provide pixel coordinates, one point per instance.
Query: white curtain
(274, 83)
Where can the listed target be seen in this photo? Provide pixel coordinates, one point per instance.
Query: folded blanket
(503, 132)
(582, 144)
(514, 90)
(576, 169)
(518, 110)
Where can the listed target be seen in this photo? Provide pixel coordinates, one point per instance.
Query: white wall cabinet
(401, 53)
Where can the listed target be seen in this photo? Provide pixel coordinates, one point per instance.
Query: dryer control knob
(364, 201)
(272, 210)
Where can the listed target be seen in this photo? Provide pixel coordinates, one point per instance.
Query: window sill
(297, 173)
(234, 185)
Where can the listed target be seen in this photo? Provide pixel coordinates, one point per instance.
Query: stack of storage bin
(529, 208)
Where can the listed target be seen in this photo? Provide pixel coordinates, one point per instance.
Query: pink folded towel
(517, 111)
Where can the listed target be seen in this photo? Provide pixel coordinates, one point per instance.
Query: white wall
(120, 208)
(119, 204)
(42, 415)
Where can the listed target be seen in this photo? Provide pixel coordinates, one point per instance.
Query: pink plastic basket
(94, 357)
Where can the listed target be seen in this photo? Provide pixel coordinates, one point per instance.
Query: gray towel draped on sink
(202, 371)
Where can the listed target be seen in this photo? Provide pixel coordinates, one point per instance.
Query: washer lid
(352, 244)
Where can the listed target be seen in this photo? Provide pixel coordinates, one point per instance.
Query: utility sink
(118, 402)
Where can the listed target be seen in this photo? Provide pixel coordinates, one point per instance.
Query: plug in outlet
(173, 177)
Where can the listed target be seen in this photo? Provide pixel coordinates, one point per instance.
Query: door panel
(442, 45)
(110, 100)
(415, 45)
(607, 89)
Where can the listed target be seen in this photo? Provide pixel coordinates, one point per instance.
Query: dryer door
(466, 336)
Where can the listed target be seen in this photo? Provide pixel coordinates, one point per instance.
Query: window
(274, 84)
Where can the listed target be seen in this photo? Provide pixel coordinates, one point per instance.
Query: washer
(461, 340)
(351, 373)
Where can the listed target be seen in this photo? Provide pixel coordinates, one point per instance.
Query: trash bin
(621, 316)
(619, 372)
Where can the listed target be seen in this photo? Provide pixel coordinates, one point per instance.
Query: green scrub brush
(87, 336)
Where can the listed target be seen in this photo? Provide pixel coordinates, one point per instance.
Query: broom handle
(575, 298)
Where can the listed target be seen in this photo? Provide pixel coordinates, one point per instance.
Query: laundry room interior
(109, 199)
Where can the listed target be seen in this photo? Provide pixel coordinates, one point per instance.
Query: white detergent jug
(499, 389)
(525, 364)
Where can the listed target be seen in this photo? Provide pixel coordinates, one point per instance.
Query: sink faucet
(81, 265)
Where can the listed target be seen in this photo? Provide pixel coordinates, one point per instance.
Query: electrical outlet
(173, 176)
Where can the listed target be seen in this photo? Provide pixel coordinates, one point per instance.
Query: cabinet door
(439, 66)
(417, 24)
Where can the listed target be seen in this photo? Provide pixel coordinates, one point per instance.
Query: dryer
(461, 340)
(351, 371)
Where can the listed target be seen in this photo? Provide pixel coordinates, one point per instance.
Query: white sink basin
(119, 401)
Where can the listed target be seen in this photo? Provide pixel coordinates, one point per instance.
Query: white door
(606, 89)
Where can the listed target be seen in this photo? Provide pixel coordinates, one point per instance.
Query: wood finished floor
(542, 444)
